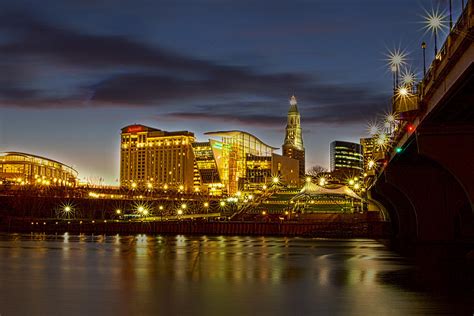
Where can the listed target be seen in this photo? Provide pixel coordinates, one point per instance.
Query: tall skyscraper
(293, 145)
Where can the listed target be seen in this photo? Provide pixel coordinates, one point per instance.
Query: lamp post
(394, 71)
(423, 46)
(435, 21)
(450, 14)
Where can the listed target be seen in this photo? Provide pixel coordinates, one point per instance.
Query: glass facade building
(346, 156)
(244, 162)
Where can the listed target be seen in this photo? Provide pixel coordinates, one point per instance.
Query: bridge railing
(461, 31)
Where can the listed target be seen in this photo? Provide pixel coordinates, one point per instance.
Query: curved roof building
(26, 168)
(245, 161)
(248, 143)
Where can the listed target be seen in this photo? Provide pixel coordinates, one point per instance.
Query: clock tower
(293, 145)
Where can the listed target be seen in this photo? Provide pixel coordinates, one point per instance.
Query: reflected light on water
(141, 275)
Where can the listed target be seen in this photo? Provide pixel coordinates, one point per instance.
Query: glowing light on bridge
(373, 128)
(371, 164)
(408, 77)
(435, 21)
(391, 121)
(396, 59)
(382, 141)
(391, 117)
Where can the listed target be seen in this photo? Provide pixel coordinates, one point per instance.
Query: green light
(398, 150)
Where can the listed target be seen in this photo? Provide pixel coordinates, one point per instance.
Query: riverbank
(328, 229)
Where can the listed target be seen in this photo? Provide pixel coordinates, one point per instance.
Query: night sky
(72, 73)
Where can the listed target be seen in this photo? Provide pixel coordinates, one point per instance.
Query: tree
(316, 170)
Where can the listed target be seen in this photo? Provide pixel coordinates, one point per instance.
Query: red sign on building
(135, 129)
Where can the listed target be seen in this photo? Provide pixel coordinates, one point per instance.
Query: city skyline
(72, 82)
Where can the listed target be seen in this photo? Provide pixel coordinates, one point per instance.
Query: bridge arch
(439, 202)
(402, 213)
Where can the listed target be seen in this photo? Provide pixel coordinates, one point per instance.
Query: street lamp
(435, 21)
(450, 14)
(396, 59)
(423, 46)
(393, 69)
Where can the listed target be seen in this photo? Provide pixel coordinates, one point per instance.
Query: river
(214, 275)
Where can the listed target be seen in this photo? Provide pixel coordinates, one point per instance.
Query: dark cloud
(274, 114)
(131, 73)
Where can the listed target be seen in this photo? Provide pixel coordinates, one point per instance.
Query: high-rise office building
(152, 158)
(346, 156)
(293, 145)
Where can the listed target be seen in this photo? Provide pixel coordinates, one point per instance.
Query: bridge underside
(428, 188)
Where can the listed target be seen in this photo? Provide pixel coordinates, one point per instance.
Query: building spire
(293, 104)
(293, 144)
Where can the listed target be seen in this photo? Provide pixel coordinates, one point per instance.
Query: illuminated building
(205, 154)
(244, 162)
(262, 169)
(346, 156)
(152, 158)
(368, 151)
(22, 168)
(293, 145)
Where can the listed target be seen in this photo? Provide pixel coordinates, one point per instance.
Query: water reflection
(145, 275)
